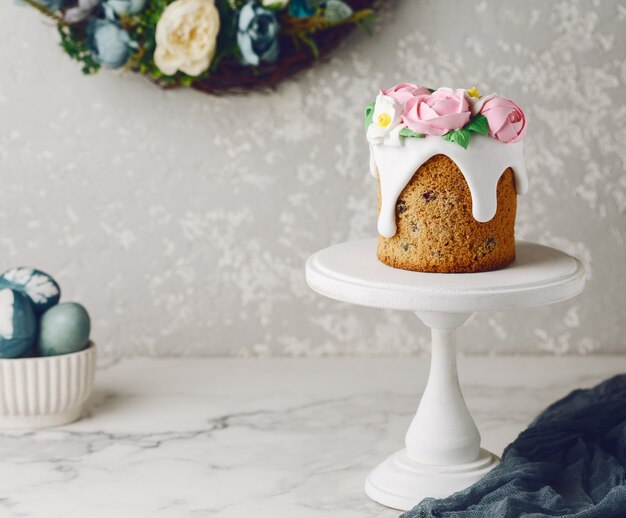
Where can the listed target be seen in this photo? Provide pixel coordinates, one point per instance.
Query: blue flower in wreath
(110, 45)
(337, 11)
(257, 34)
(302, 8)
(123, 7)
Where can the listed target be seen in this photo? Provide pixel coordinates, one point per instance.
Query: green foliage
(461, 137)
(142, 28)
(75, 46)
(302, 30)
(310, 42)
(227, 37)
(369, 114)
(407, 132)
(364, 19)
(479, 125)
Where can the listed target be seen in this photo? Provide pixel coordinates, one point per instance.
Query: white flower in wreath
(386, 122)
(274, 4)
(186, 37)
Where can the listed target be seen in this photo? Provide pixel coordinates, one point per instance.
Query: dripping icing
(373, 168)
(482, 164)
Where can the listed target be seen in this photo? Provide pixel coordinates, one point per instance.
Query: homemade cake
(449, 165)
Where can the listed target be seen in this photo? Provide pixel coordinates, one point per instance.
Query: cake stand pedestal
(442, 453)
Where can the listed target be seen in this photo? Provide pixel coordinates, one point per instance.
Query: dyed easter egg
(18, 324)
(63, 329)
(40, 288)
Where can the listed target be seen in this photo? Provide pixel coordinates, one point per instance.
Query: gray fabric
(569, 462)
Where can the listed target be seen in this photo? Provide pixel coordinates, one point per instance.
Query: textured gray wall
(183, 221)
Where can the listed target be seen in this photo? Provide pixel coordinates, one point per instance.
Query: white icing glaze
(373, 169)
(482, 164)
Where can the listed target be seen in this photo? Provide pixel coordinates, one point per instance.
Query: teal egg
(18, 325)
(39, 287)
(63, 329)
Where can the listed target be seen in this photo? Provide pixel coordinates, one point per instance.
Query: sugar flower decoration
(437, 113)
(402, 92)
(473, 92)
(385, 127)
(507, 122)
(408, 111)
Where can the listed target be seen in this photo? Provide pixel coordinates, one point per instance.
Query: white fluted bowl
(47, 391)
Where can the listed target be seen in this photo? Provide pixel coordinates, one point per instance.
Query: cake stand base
(402, 483)
(442, 453)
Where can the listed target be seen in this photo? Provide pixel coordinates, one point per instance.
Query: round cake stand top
(351, 272)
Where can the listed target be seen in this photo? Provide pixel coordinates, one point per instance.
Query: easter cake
(449, 165)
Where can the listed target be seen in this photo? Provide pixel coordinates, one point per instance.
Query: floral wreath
(212, 45)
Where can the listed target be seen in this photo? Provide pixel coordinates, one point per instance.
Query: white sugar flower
(385, 127)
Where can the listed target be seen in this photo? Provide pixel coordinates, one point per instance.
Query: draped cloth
(570, 462)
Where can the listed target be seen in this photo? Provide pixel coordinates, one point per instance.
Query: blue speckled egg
(40, 288)
(63, 329)
(18, 324)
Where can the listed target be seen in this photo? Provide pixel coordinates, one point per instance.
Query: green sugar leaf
(461, 137)
(479, 125)
(369, 114)
(406, 132)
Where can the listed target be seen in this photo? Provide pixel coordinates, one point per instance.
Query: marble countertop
(273, 438)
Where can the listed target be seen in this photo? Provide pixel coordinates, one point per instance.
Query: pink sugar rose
(437, 113)
(402, 92)
(506, 119)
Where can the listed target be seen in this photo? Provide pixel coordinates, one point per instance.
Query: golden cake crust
(436, 231)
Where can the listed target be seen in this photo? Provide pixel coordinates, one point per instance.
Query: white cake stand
(442, 454)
